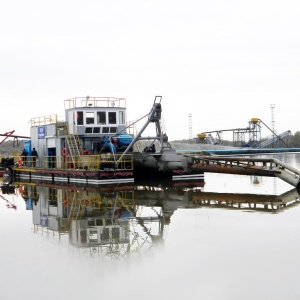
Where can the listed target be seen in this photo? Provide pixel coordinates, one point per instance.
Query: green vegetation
(293, 141)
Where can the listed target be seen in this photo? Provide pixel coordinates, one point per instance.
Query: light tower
(272, 106)
(190, 127)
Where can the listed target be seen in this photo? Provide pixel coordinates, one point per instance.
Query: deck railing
(83, 162)
(45, 120)
(94, 102)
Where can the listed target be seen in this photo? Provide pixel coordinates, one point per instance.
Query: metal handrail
(86, 162)
(49, 119)
(94, 102)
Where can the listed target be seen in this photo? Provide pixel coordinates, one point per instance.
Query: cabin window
(105, 130)
(112, 118)
(88, 129)
(89, 117)
(122, 117)
(115, 233)
(53, 195)
(80, 118)
(105, 234)
(93, 235)
(96, 130)
(101, 117)
(113, 129)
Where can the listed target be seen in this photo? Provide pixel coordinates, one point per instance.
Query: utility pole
(190, 127)
(272, 106)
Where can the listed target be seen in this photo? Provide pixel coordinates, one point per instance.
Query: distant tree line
(293, 141)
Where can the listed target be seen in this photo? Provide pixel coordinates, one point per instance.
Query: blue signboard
(41, 132)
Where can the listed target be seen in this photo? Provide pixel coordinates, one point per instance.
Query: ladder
(75, 209)
(74, 148)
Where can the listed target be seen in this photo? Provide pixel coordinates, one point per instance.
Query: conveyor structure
(247, 137)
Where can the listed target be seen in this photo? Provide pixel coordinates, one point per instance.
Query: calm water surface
(236, 237)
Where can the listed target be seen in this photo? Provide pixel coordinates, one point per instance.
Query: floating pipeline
(240, 151)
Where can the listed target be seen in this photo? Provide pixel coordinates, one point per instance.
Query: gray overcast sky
(224, 62)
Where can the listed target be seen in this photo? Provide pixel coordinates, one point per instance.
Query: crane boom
(10, 134)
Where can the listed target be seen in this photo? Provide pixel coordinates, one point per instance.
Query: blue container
(27, 147)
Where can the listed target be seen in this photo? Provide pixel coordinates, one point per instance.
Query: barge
(94, 144)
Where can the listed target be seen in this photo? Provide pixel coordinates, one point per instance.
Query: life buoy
(20, 162)
(63, 151)
(86, 152)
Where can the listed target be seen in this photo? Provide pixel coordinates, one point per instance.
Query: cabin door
(71, 121)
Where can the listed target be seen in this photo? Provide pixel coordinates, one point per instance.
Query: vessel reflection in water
(118, 220)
